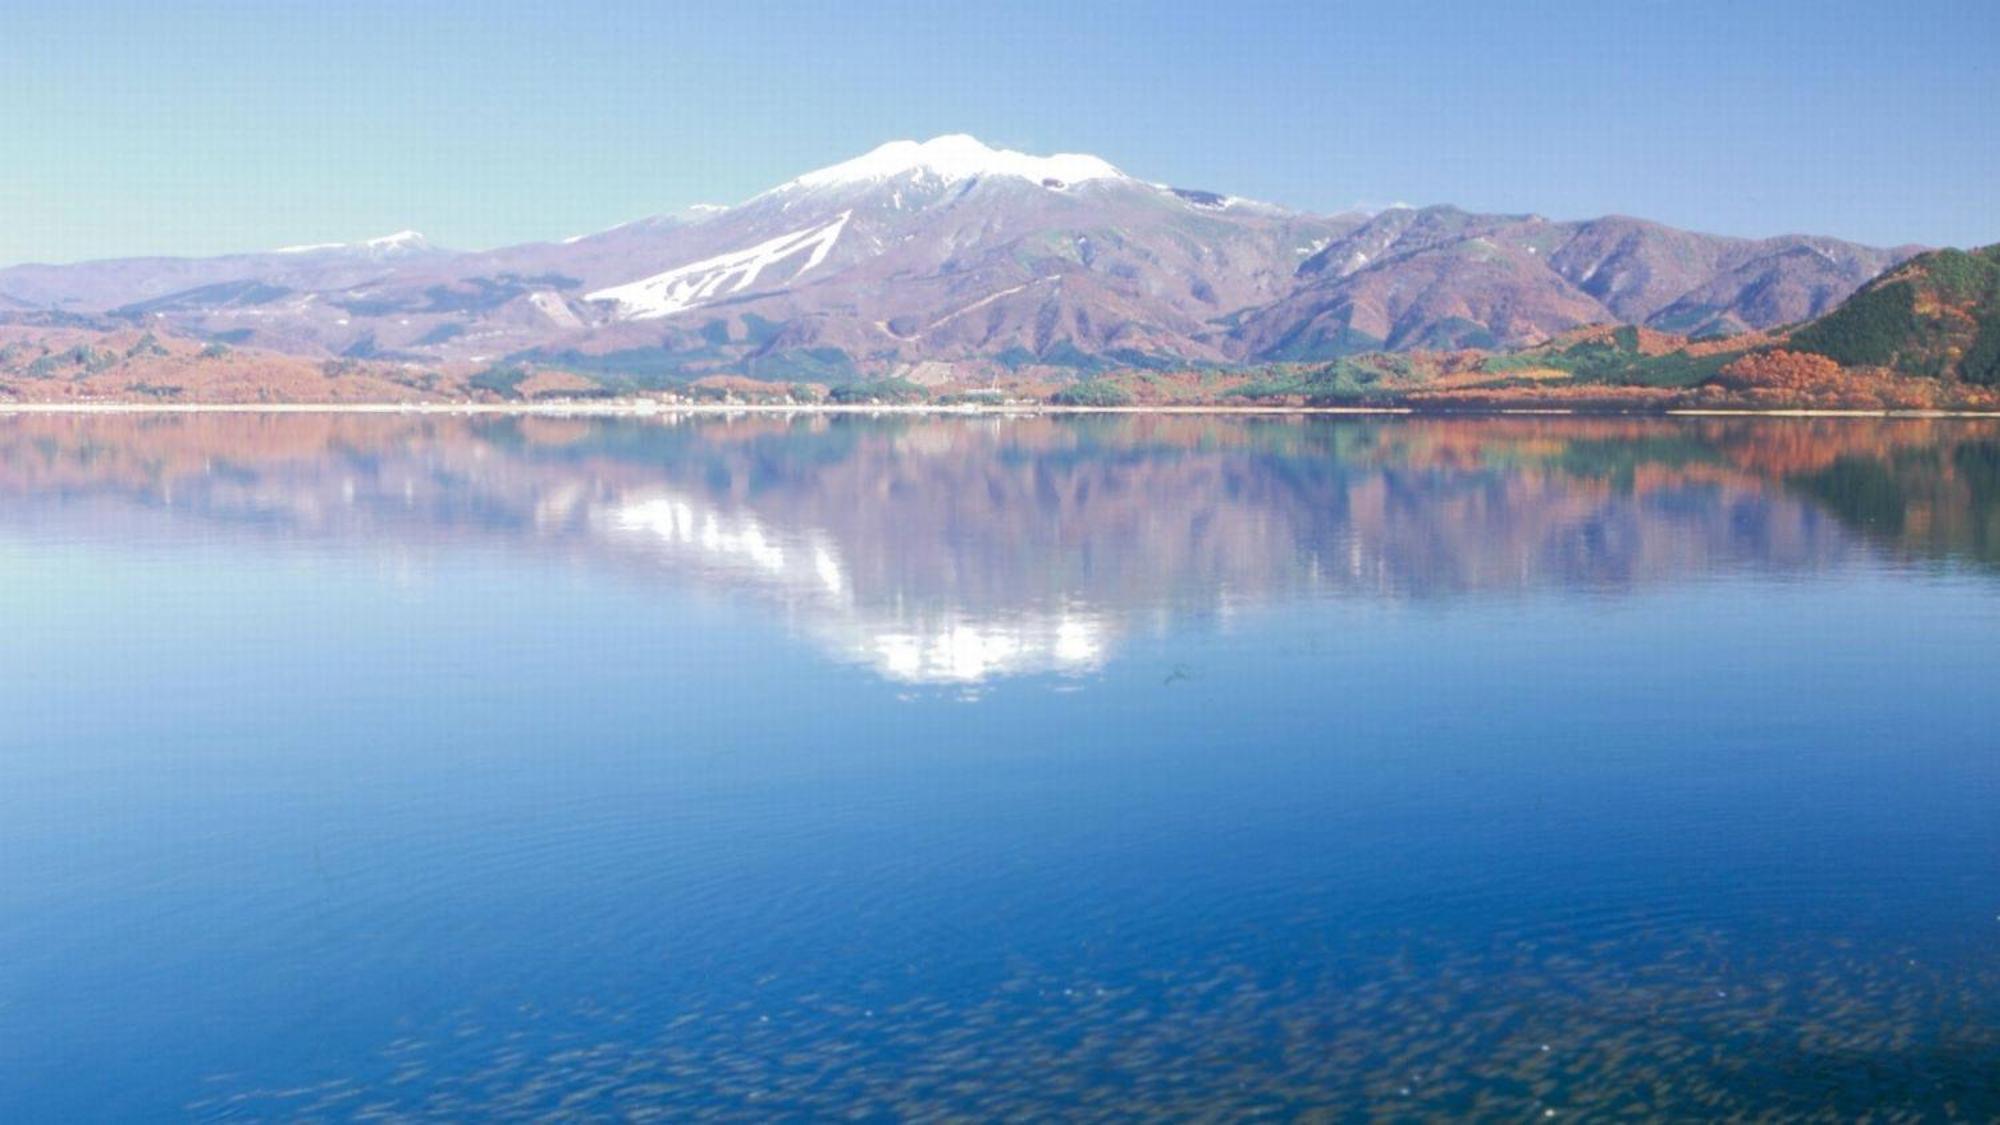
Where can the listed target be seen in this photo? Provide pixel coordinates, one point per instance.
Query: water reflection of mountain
(960, 549)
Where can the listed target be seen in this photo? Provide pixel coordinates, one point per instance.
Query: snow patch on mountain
(400, 242)
(989, 299)
(552, 306)
(952, 158)
(684, 287)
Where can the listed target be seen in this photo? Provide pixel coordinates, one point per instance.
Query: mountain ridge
(950, 251)
(1925, 336)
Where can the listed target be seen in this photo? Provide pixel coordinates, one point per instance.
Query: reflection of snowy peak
(896, 543)
(805, 570)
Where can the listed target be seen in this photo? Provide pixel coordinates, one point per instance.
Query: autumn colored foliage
(1777, 369)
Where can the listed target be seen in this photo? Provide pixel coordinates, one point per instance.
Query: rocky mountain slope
(917, 258)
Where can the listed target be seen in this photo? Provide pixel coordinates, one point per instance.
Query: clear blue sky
(134, 128)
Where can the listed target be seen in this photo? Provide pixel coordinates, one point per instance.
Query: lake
(1041, 767)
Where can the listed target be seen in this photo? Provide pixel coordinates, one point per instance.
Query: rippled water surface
(1030, 768)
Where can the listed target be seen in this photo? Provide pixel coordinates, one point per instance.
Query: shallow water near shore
(1052, 767)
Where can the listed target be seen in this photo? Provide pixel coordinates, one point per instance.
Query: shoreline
(651, 409)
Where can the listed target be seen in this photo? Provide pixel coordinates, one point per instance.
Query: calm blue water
(1035, 768)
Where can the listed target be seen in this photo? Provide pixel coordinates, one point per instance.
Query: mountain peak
(954, 157)
(401, 240)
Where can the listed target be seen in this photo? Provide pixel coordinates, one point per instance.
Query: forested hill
(1936, 315)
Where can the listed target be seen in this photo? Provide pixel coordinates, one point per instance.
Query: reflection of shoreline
(646, 408)
(948, 550)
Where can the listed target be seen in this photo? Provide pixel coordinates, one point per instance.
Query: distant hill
(1936, 315)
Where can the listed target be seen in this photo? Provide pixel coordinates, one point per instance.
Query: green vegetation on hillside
(1314, 341)
(1350, 379)
(825, 365)
(880, 391)
(1092, 392)
(1615, 359)
(1938, 316)
(80, 360)
(502, 379)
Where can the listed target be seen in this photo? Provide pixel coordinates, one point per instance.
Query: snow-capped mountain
(194, 284)
(949, 160)
(403, 242)
(953, 251)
